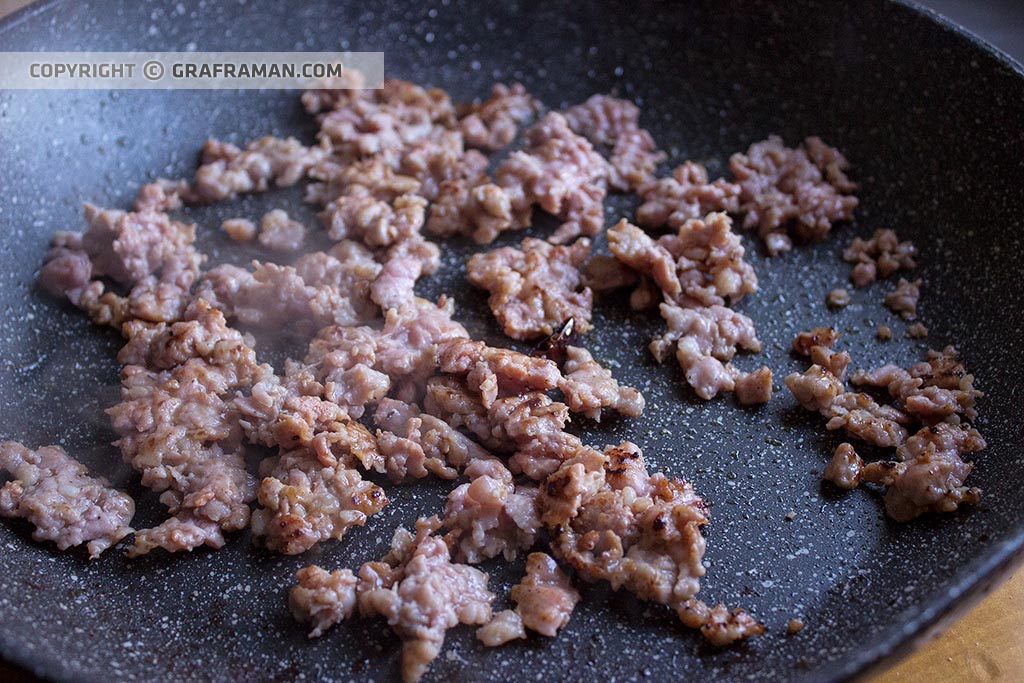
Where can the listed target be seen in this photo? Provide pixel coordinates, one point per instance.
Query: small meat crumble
(792, 192)
(390, 387)
(534, 288)
(838, 298)
(879, 257)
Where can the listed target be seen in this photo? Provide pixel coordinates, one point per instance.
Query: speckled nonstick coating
(933, 123)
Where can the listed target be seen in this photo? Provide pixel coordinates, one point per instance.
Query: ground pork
(479, 210)
(817, 345)
(495, 372)
(917, 331)
(59, 497)
(161, 195)
(451, 400)
(533, 426)
(534, 289)
(903, 299)
(880, 256)
(544, 597)
(615, 123)
(424, 597)
(838, 298)
(505, 626)
(278, 232)
(589, 387)
(788, 192)
(704, 340)
(930, 476)
(239, 229)
(227, 171)
(321, 599)
(415, 443)
(493, 123)
(719, 625)
(701, 265)
(490, 515)
(306, 498)
(844, 468)
(178, 429)
(939, 389)
(439, 158)
(146, 252)
(319, 288)
(371, 178)
(560, 172)
(684, 196)
(375, 222)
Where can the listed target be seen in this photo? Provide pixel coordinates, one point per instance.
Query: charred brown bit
(686, 195)
(719, 625)
(794, 626)
(615, 124)
(560, 172)
(787, 192)
(554, 346)
(880, 256)
(535, 288)
(844, 468)
(884, 333)
(903, 299)
(816, 336)
(61, 499)
(701, 265)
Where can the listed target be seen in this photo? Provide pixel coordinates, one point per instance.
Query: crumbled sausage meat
(903, 299)
(684, 196)
(589, 387)
(880, 256)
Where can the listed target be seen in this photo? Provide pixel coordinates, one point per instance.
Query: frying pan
(933, 121)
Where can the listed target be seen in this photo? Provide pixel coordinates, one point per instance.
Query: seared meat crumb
(903, 299)
(838, 298)
(880, 256)
(844, 468)
(686, 195)
(239, 229)
(62, 500)
(535, 288)
(588, 387)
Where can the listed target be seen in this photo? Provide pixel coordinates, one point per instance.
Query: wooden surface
(985, 645)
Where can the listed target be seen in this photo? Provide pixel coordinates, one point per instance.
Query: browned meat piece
(615, 123)
(858, 414)
(719, 625)
(838, 298)
(371, 178)
(490, 515)
(504, 627)
(321, 598)
(884, 333)
(533, 425)
(59, 497)
(588, 387)
(280, 233)
(415, 443)
(544, 597)
(939, 389)
(701, 265)
(480, 211)
(536, 288)
(560, 172)
(880, 256)
(449, 399)
(440, 158)
(705, 339)
(177, 428)
(306, 498)
(496, 372)
(844, 468)
(227, 171)
(685, 195)
(239, 229)
(161, 195)
(319, 288)
(816, 336)
(423, 597)
(375, 222)
(754, 388)
(903, 299)
(786, 192)
(145, 251)
(931, 476)
(493, 123)
(917, 331)
(604, 273)
(384, 122)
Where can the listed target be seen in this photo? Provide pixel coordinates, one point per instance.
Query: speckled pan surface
(934, 125)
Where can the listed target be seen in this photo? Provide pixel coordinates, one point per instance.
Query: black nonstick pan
(933, 122)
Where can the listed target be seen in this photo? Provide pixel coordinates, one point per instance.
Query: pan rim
(920, 623)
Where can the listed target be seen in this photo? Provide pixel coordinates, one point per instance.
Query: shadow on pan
(933, 122)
